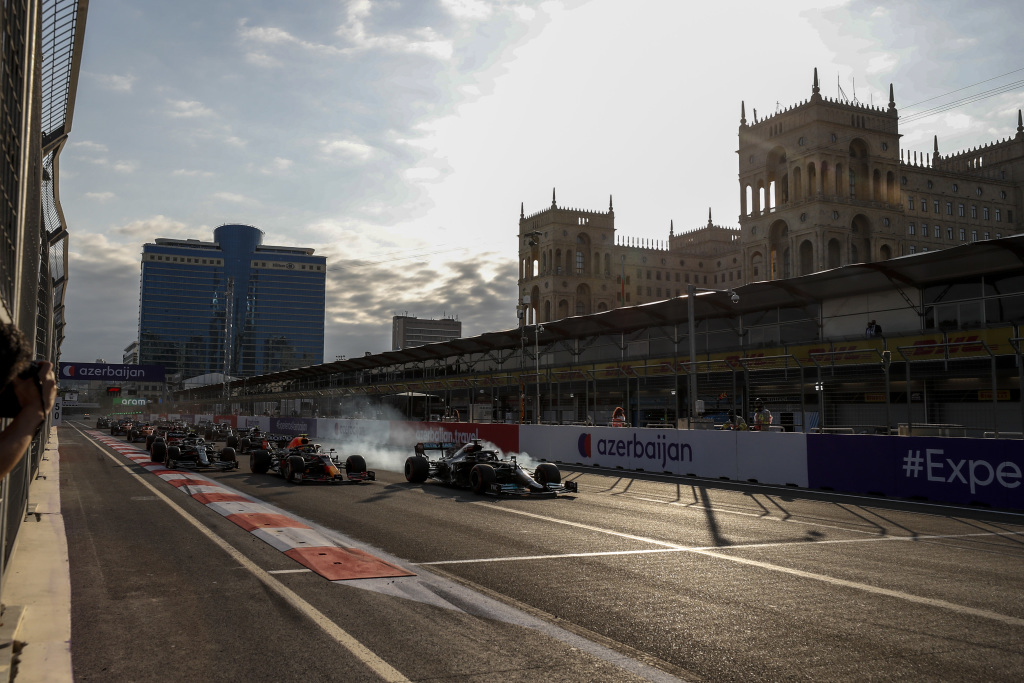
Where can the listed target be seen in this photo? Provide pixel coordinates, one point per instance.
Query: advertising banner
(344, 430)
(226, 419)
(963, 471)
(772, 457)
(702, 453)
(293, 426)
(260, 421)
(111, 372)
(407, 434)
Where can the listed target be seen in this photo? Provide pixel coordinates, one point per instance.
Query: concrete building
(408, 331)
(131, 354)
(233, 306)
(823, 184)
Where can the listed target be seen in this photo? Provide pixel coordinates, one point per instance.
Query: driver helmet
(758, 404)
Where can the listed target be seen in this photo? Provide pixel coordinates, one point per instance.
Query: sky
(399, 138)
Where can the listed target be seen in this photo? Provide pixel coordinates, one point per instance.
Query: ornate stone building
(823, 184)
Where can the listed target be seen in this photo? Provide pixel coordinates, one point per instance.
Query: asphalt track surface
(638, 577)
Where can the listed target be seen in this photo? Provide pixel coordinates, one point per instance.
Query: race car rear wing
(423, 447)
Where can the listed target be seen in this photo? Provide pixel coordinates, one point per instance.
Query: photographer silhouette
(28, 392)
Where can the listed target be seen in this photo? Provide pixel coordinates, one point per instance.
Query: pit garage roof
(914, 271)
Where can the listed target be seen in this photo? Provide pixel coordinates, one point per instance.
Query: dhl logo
(958, 346)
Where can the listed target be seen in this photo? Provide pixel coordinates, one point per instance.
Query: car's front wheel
(295, 467)
(547, 473)
(481, 477)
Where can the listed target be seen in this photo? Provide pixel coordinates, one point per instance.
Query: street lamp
(521, 314)
(537, 329)
(691, 294)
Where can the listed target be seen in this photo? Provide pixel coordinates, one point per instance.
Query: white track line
(339, 635)
(718, 554)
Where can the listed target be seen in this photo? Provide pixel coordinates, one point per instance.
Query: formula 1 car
(305, 461)
(192, 453)
(483, 470)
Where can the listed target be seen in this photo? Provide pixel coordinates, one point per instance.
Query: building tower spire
(709, 217)
(611, 208)
(521, 214)
(815, 90)
(671, 229)
(553, 205)
(892, 99)
(1020, 125)
(743, 113)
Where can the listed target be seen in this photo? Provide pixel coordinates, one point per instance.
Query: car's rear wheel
(417, 469)
(159, 451)
(244, 444)
(232, 441)
(259, 462)
(355, 464)
(295, 467)
(149, 441)
(481, 477)
(547, 473)
(227, 454)
(173, 456)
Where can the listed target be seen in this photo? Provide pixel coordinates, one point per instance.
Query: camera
(9, 404)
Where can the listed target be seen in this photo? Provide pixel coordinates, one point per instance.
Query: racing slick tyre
(232, 441)
(208, 436)
(244, 444)
(113, 431)
(481, 477)
(159, 451)
(295, 466)
(150, 438)
(259, 462)
(132, 436)
(355, 464)
(547, 473)
(227, 454)
(417, 469)
(172, 457)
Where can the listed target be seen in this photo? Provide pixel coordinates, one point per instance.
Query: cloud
(102, 298)
(88, 146)
(882, 63)
(125, 166)
(262, 59)
(187, 109)
(156, 226)
(350, 149)
(474, 10)
(192, 173)
(234, 198)
(99, 196)
(115, 82)
(423, 174)
(277, 166)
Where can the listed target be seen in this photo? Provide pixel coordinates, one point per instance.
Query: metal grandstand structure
(39, 66)
(797, 342)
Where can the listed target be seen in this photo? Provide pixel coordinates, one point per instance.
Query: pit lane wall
(949, 470)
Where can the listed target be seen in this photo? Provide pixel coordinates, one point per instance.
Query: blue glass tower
(233, 305)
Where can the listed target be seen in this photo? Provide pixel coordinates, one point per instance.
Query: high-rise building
(131, 354)
(232, 306)
(408, 331)
(823, 184)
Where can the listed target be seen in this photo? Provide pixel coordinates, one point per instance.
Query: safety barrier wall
(949, 470)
